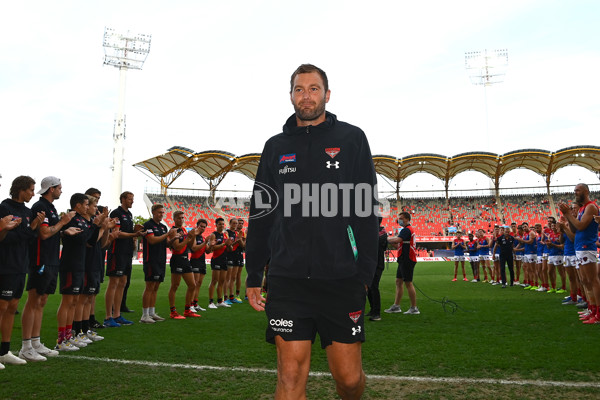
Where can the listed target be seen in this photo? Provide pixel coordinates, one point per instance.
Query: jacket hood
(292, 128)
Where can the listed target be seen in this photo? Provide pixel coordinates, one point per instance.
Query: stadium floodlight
(486, 69)
(124, 51)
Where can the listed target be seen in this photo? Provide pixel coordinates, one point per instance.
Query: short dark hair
(20, 184)
(78, 198)
(177, 213)
(218, 220)
(201, 221)
(124, 195)
(552, 219)
(405, 215)
(156, 206)
(307, 69)
(92, 191)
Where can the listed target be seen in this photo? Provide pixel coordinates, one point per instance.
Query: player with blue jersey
(459, 247)
(586, 233)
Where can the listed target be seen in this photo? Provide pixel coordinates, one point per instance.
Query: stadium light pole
(486, 69)
(124, 51)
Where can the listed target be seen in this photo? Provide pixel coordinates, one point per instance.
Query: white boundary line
(327, 374)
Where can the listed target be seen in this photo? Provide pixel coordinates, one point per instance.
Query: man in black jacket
(14, 259)
(313, 213)
(373, 292)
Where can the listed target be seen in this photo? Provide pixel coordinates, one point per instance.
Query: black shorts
(198, 266)
(295, 310)
(405, 270)
(71, 282)
(180, 265)
(154, 272)
(11, 286)
(91, 283)
(118, 264)
(218, 264)
(44, 283)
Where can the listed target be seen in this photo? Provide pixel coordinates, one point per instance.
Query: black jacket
(14, 249)
(313, 241)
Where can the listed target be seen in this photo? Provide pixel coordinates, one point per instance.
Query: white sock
(35, 342)
(27, 344)
(145, 312)
(151, 311)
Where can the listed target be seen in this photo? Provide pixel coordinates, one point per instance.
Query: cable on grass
(448, 305)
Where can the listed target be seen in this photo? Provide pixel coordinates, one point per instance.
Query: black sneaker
(374, 318)
(96, 325)
(126, 309)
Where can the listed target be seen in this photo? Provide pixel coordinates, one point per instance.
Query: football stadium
(471, 340)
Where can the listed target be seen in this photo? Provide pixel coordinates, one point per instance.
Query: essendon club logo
(354, 316)
(332, 151)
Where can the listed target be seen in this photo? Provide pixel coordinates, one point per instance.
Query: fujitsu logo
(287, 169)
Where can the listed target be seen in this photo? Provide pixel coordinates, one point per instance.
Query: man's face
(308, 96)
(27, 194)
(82, 208)
(526, 228)
(158, 214)
(201, 228)
(179, 220)
(55, 192)
(233, 224)
(128, 201)
(240, 224)
(404, 220)
(538, 228)
(92, 209)
(580, 193)
(513, 227)
(220, 226)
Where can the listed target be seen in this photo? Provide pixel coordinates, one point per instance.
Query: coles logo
(287, 158)
(281, 322)
(354, 316)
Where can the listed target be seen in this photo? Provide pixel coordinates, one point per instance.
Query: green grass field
(496, 334)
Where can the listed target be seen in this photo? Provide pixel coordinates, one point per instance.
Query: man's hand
(37, 221)
(564, 208)
(597, 218)
(137, 228)
(255, 299)
(72, 231)
(8, 223)
(67, 217)
(172, 234)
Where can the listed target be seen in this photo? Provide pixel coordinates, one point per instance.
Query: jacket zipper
(310, 219)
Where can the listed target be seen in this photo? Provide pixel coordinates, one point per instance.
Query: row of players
(568, 246)
(30, 246)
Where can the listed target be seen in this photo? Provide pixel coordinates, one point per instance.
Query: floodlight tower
(124, 51)
(486, 70)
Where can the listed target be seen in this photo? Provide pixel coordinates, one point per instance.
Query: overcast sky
(217, 77)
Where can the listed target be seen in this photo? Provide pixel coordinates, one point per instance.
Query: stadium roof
(213, 165)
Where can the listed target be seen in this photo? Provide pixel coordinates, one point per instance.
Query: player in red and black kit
(407, 259)
(120, 256)
(43, 268)
(233, 264)
(181, 267)
(155, 261)
(14, 258)
(218, 241)
(198, 261)
(240, 234)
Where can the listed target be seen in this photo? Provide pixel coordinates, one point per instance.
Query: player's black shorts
(154, 272)
(218, 264)
(198, 266)
(118, 264)
(71, 282)
(44, 283)
(405, 270)
(298, 309)
(11, 286)
(234, 261)
(180, 264)
(91, 283)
